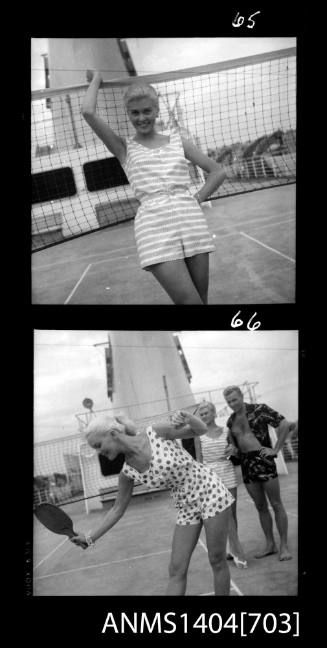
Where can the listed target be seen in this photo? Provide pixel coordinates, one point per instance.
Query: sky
(68, 368)
(155, 55)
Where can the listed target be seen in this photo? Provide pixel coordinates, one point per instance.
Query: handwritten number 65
(239, 20)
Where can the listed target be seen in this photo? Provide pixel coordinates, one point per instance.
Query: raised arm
(125, 490)
(184, 426)
(115, 144)
(216, 174)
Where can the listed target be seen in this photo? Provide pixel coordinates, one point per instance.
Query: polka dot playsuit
(198, 493)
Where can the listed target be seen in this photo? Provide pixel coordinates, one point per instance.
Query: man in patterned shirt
(250, 445)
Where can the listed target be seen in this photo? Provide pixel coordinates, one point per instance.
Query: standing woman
(155, 457)
(212, 450)
(172, 236)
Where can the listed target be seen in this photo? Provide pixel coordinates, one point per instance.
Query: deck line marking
(129, 247)
(78, 283)
(264, 219)
(220, 236)
(50, 554)
(85, 256)
(289, 220)
(111, 259)
(268, 247)
(111, 562)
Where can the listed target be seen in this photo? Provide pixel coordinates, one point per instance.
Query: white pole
(280, 461)
(83, 480)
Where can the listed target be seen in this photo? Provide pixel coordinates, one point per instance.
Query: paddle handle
(71, 533)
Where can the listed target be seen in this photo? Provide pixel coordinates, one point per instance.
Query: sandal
(240, 564)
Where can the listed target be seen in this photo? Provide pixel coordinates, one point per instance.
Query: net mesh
(241, 113)
(67, 469)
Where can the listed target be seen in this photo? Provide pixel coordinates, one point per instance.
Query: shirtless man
(250, 443)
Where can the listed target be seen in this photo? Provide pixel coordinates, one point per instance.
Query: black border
(81, 618)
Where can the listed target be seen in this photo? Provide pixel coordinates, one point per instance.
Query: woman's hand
(231, 451)
(91, 74)
(130, 427)
(80, 541)
(181, 417)
(268, 452)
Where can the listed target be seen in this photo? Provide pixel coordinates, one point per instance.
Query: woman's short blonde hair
(139, 91)
(209, 405)
(105, 423)
(99, 425)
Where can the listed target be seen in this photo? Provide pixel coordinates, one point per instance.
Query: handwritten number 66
(235, 323)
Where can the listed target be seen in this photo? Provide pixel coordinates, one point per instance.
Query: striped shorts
(170, 227)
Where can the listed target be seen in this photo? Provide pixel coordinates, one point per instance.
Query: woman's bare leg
(184, 541)
(176, 280)
(198, 266)
(216, 529)
(234, 542)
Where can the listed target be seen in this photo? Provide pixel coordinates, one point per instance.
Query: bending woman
(212, 450)
(172, 236)
(155, 457)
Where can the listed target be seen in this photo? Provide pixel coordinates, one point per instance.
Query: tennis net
(242, 113)
(67, 469)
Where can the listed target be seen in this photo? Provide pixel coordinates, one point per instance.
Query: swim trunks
(256, 467)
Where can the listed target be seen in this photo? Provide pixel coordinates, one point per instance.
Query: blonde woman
(211, 450)
(172, 237)
(155, 457)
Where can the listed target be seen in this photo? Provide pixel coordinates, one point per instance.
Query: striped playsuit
(213, 455)
(169, 223)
